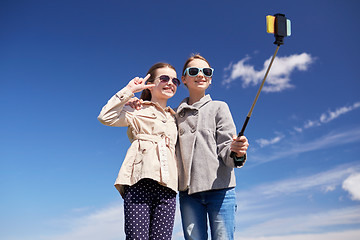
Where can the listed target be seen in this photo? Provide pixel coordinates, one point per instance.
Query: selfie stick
(280, 26)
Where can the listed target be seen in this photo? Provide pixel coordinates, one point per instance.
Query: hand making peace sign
(138, 84)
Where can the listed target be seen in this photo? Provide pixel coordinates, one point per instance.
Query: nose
(200, 74)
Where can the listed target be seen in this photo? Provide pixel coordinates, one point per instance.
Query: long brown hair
(146, 94)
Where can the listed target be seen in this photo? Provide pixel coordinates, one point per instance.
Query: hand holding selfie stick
(280, 26)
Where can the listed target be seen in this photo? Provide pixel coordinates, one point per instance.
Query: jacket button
(181, 131)
(182, 114)
(193, 130)
(164, 120)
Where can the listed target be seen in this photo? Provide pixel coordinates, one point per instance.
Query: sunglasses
(194, 71)
(166, 79)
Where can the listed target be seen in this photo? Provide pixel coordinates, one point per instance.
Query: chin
(170, 94)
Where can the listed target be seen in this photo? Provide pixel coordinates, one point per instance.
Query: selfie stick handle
(241, 133)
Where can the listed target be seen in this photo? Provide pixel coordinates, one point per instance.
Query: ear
(210, 80)
(183, 79)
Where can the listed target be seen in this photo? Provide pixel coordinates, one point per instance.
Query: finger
(147, 77)
(137, 80)
(148, 86)
(139, 104)
(238, 138)
(131, 104)
(236, 148)
(241, 139)
(239, 153)
(239, 146)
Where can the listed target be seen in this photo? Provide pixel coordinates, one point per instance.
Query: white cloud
(291, 148)
(255, 211)
(310, 124)
(264, 142)
(352, 185)
(277, 211)
(304, 223)
(331, 115)
(298, 129)
(279, 75)
(106, 223)
(328, 116)
(329, 188)
(322, 181)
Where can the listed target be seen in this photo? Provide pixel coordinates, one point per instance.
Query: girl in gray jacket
(207, 135)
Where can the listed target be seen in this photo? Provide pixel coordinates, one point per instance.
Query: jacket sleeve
(113, 113)
(225, 129)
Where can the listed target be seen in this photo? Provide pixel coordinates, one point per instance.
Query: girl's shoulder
(219, 103)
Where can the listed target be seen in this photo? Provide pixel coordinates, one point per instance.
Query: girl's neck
(195, 97)
(161, 102)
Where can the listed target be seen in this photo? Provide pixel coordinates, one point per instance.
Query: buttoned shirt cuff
(124, 94)
(239, 161)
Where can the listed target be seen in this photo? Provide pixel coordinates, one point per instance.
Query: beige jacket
(152, 132)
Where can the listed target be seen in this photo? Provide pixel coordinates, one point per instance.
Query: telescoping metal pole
(280, 26)
(241, 133)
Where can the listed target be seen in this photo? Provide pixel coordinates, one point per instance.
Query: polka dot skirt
(149, 210)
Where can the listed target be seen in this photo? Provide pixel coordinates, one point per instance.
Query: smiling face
(200, 82)
(163, 90)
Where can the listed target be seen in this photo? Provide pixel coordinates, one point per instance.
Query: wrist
(129, 88)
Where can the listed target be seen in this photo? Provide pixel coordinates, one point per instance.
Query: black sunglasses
(166, 78)
(194, 71)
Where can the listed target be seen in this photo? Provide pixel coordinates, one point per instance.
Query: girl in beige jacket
(148, 178)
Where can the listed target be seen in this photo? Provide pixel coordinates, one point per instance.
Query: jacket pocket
(138, 164)
(137, 167)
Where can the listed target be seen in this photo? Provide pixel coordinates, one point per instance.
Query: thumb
(149, 86)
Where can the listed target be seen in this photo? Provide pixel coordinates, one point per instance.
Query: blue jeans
(217, 205)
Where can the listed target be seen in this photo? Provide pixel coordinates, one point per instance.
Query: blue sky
(60, 61)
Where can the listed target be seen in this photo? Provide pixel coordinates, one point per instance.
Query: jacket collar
(184, 103)
(167, 109)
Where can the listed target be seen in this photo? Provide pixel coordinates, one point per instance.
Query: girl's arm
(112, 114)
(225, 131)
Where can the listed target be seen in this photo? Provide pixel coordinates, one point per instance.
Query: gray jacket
(205, 131)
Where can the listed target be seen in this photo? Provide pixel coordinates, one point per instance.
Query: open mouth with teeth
(201, 81)
(169, 89)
